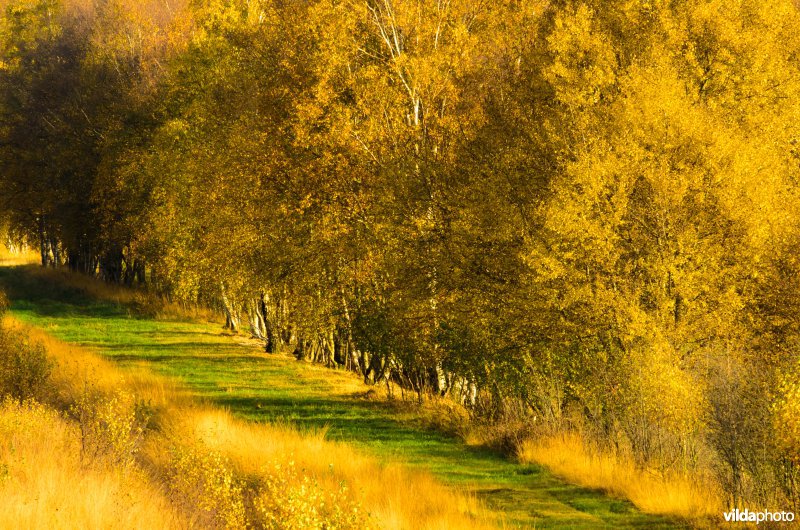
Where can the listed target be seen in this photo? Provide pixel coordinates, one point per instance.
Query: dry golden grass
(691, 496)
(395, 497)
(44, 483)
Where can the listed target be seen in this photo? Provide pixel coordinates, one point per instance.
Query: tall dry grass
(689, 495)
(44, 483)
(201, 467)
(395, 497)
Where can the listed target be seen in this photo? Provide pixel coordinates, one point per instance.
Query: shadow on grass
(276, 389)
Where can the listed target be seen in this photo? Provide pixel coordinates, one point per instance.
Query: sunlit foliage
(582, 214)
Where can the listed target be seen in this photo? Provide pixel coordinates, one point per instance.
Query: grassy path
(277, 388)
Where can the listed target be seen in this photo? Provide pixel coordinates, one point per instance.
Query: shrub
(204, 484)
(290, 500)
(112, 427)
(144, 305)
(44, 484)
(786, 417)
(24, 417)
(24, 368)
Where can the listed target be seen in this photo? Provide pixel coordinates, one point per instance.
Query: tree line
(579, 213)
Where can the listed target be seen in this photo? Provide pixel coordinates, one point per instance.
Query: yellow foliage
(110, 425)
(293, 501)
(663, 396)
(786, 411)
(584, 65)
(205, 484)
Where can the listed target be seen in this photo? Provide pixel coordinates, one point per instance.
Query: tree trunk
(139, 272)
(268, 315)
(255, 319)
(231, 315)
(43, 242)
(56, 255)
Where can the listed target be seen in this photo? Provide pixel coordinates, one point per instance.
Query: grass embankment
(197, 465)
(279, 390)
(45, 483)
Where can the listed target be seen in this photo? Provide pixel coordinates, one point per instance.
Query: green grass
(262, 387)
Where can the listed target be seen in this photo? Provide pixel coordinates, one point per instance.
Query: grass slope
(276, 388)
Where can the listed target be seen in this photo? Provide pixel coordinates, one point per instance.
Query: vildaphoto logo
(746, 516)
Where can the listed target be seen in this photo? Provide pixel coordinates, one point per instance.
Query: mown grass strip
(276, 388)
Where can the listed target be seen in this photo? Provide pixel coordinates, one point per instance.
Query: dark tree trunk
(338, 354)
(139, 272)
(301, 350)
(111, 266)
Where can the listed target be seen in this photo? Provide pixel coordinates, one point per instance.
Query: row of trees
(581, 211)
